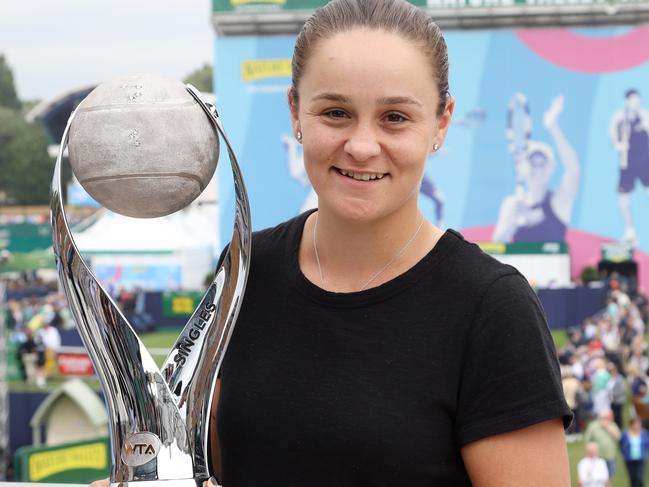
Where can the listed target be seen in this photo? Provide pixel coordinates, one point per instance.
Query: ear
(444, 123)
(292, 105)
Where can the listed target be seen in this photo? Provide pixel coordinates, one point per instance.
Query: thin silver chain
(377, 273)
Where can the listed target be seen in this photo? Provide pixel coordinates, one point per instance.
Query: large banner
(550, 139)
(220, 6)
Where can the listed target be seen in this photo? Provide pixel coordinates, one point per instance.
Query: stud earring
(435, 146)
(298, 136)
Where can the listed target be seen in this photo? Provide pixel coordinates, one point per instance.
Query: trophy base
(160, 483)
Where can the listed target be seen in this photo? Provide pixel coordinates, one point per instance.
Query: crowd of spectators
(34, 314)
(604, 368)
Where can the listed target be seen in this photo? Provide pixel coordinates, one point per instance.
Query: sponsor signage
(534, 248)
(180, 304)
(79, 462)
(75, 364)
(617, 252)
(25, 237)
(221, 6)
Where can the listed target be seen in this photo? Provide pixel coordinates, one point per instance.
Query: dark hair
(396, 16)
(631, 92)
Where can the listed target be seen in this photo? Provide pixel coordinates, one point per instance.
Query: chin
(354, 210)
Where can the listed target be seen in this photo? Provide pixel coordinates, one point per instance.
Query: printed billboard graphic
(550, 139)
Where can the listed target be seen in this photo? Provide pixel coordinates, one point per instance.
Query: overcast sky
(56, 45)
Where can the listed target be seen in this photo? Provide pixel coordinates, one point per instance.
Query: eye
(395, 117)
(335, 113)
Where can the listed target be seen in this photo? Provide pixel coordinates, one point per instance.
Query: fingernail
(213, 481)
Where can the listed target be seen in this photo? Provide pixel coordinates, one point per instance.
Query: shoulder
(476, 272)
(272, 241)
(279, 235)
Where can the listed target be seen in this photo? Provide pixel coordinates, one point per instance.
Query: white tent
(180, 247)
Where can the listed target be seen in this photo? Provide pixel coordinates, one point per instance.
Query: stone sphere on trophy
(142, 146)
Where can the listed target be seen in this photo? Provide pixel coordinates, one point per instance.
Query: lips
(360, 175)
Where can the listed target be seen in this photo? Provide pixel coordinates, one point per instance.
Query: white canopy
(192, 228)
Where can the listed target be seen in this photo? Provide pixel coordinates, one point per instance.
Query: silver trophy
(159, 418)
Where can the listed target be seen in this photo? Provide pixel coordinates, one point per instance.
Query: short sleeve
(510, 372)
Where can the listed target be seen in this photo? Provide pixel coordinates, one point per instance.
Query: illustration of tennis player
(629, 133)
(535, 212)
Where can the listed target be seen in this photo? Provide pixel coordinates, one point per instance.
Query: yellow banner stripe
(47, 463)
(254, 69)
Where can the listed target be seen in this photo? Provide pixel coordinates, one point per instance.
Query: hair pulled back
(394, 16)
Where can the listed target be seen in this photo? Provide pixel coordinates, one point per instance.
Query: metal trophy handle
(159, 418)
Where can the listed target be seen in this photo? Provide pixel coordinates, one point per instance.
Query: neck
(352, 252)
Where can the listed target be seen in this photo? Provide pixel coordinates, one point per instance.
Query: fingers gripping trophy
(146, 146)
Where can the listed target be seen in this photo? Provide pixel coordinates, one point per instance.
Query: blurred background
(546, 167)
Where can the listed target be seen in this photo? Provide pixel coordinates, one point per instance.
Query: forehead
(369, 59)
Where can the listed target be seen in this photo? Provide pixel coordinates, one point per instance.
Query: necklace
(377, 273)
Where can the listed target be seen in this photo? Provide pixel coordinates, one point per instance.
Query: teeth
(361, 176)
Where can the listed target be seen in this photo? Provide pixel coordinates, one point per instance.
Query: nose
(362, 143)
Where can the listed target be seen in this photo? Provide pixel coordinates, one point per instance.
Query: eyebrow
(332, 97)
(390, 100)
(399, 100)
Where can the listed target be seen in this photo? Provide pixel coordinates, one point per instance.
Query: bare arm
(535, 456)
(564, 197)
(507, 224)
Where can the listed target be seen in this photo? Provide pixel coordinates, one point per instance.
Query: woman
(373, 348)
(635, 446)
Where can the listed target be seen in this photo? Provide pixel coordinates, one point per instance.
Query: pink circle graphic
(578, 52)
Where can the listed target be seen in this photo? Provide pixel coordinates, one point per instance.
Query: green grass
(560, 338)
(164, 338)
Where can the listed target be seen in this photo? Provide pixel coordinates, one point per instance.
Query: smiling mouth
(360, 176)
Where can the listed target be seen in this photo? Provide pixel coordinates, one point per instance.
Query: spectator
(592, 470)
(635, 446)
(601, 376)
(617, 392)
(570, 390)
(49, 340)
(584, 411)
(606, 434)
(28, 357)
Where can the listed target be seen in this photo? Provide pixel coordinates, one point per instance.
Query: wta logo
(140, 448)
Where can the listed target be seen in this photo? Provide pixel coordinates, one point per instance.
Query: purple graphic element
(429, 189)
(550, 228)
(637, 153)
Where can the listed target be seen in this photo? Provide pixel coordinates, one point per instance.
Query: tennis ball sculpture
(142, 146)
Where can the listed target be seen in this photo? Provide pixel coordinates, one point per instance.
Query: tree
(25, 165)
(8, 97)
(201, 79)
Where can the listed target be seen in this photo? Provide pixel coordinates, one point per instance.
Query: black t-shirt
(381, 387)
